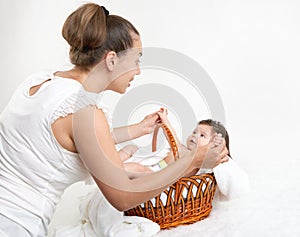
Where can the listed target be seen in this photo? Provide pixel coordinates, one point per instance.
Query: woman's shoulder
(76, 98)
(57, 83)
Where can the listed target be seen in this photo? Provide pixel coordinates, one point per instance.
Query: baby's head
(204, 131)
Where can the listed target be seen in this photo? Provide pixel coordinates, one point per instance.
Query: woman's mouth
(130, 81)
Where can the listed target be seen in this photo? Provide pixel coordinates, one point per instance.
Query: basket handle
(170, 139)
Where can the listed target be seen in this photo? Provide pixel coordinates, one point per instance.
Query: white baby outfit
(152, 160)
(34, 168)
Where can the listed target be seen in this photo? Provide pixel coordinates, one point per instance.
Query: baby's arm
(163, 112)
(126, 152)
(135, 170)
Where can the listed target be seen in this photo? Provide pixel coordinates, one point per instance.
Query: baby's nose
(195, 135)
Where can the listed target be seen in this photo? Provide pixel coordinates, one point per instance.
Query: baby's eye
(194, 132)
(201, 135)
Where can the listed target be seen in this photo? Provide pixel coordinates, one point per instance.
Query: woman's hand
(212, 154)
(130, 132)
(149, 123)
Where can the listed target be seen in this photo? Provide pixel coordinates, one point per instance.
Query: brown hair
(218, 128)
(91, 32)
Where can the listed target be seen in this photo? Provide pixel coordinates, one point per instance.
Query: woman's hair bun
(85, 28)
(91, 32)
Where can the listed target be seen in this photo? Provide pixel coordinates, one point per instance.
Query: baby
(205, 131)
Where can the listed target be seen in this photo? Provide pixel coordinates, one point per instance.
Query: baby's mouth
(192, 141)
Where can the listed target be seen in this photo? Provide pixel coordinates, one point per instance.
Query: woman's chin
(120, 91)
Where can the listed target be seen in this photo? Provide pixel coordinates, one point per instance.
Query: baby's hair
(217, 128)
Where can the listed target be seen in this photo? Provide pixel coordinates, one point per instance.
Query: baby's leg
(135, 170)
(127, 151)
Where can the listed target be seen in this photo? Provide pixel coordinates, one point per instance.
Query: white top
(34, 168)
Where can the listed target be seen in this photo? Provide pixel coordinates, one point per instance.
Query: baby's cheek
(188, 139)
(203, 141)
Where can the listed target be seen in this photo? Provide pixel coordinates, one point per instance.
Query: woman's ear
(111, 60)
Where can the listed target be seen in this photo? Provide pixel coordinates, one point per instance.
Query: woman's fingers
(216, 152)
(217, 139)
(150, 122)
(223, 157)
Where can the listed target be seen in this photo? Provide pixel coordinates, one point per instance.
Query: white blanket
(100, 219)
(232, 181)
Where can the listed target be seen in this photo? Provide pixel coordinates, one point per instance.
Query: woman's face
(201, 136)
(127, 67)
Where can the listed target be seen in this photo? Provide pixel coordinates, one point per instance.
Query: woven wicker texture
(185, 202)
(170, 139)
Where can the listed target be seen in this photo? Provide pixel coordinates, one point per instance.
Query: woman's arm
(127, 133)
(96, 148)
(126, 152)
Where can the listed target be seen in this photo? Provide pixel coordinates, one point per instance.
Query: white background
(251, 50)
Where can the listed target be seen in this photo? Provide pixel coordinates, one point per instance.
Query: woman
(54, 132)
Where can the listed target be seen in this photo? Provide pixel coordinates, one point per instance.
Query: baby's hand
(163, 113)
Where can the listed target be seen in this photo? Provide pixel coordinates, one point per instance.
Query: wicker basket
(185, 202)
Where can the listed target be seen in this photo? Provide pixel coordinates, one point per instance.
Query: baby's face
(201, 135)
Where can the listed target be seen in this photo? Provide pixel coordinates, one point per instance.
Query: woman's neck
(95, 80)
(74, 73)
